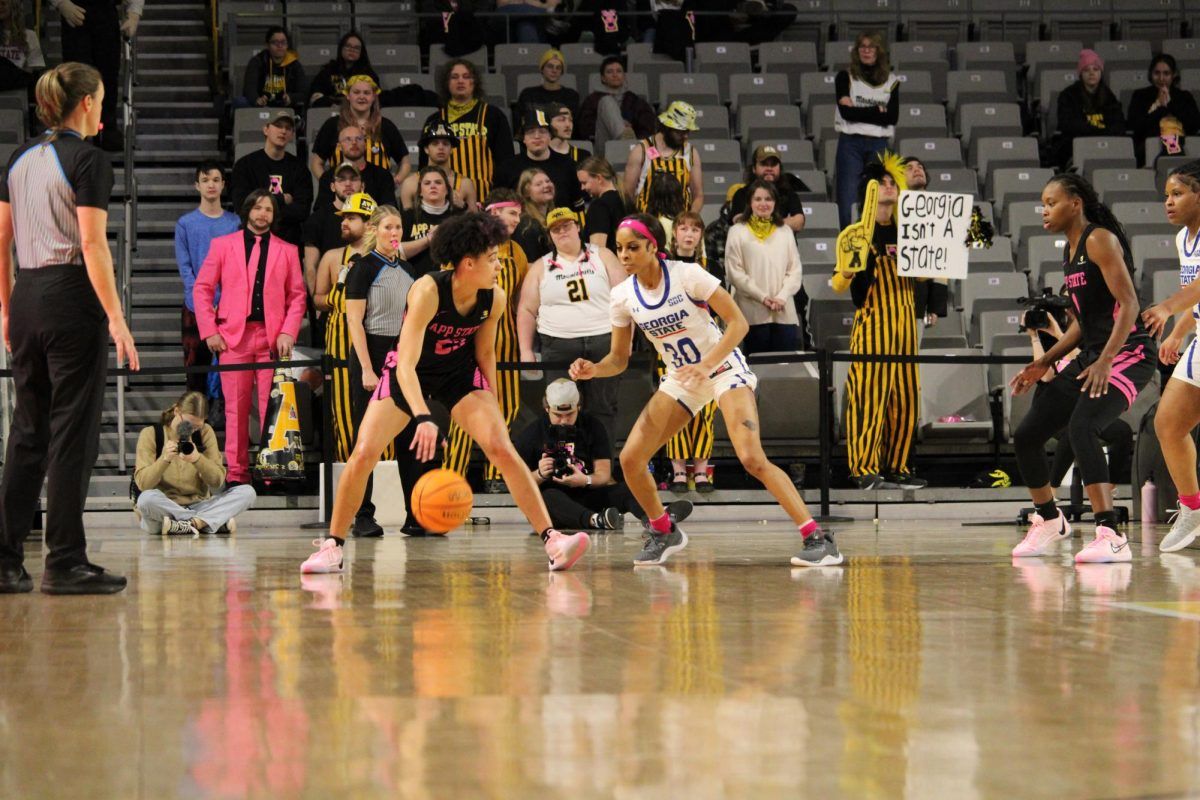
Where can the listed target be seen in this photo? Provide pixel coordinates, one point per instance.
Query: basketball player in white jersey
(1179, 410)
(670, 301)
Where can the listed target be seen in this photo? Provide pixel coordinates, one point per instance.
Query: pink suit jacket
(284, 295)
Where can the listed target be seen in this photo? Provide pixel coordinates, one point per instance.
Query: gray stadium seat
(697, 88)
(991, 152)
(1049, 84)
(717, 184)
(821, 219)
(1125, 54)
(315, 54)
(640, 57)
(1051, 55)
(582, 57)
(758, 121)
(745, 88)
(1124, 82)
(997, 258)
(921, 121)
(952, 179)
(818, 283)
(718, 154)
(837, 54)
(985, 55)
(1154, 253)
(1041, 254)
(410, 120)
(723, 59)
(932, 340)
(817, 255)
(1015, 408)
(396, 57)
(713, 121)
(314, 118)
(1089, 153)
(916, 87)
(978, 86)
(1077, 19)
(1022, 218)
(989, 119)
(1185, 51)
(978, 286)
(796, 153)
(318, 25)
(1007, 184)
(616, 152)
(954, 390)
(817, 87)
(833, 318)
(902, 53)
(1142, 218)
(513, 56)
(993, 316)
(819, 121)
(934, 151)
(1124, 185)
(814, 179)
(791, 59)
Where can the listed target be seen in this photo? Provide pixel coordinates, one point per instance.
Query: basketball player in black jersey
(1103, 360)
(446, 352)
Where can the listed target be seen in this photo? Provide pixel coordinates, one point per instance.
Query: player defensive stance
(446, 352)
(670, 301)
(1179, 409)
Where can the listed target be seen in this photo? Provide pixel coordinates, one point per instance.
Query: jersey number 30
(682, 352)
(577, 290)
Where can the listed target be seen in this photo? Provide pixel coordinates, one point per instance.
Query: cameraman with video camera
(571, 460)
(178, 474)
(1046, 318)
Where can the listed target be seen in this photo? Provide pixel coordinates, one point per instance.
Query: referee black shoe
(15, 580)
(366, 528)
(81, 579)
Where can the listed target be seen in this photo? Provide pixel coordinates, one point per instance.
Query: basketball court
(929, 666)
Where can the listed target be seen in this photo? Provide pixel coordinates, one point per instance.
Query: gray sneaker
(658, 547)
(820, 550)
(1183, 531)
(178, 527)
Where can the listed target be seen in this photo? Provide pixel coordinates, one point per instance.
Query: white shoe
(1108, 547)
(1042, 536)
(1183, 530)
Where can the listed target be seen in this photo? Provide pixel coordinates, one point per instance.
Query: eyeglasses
(352, 139)
(278, 41)
(352, 47)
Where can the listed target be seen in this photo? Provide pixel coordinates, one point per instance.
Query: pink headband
(641, 230)
(505, 204)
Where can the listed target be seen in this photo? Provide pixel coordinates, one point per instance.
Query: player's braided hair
(1096, 212)
(1188, 174)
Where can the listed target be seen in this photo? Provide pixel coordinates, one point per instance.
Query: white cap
(562, 395)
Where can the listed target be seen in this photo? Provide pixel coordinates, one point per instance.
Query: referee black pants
(59, 341)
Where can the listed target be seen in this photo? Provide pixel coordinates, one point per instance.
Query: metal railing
(129, 245)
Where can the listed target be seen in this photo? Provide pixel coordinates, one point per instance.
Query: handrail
(125, 271)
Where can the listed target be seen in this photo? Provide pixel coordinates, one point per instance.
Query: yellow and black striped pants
(458, 445)
(343, 413)
(883, 400)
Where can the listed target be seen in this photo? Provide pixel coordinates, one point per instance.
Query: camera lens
(186, 447)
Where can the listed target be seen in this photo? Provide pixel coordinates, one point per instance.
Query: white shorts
(733, 373)
(1187, 368)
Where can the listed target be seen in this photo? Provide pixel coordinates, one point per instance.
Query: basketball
(442, 500)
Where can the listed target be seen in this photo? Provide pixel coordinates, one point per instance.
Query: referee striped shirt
(384, 285)
(46, 181)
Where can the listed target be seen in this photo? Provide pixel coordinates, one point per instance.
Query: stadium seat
(385, 26)
(796, 153)
(759, 121)
(697, 88)
(518, 62)
(1089, 153)
(719, 154)
(1022, 218)
(723, 59)
(993, 316)
(396, 57)
(1008, 285)
(1049, 84)
(817, 256)
(833, 318)
(317, 24)
(868, 15)
(1124, 82)
(819, 120)
(758, 89)
(790, 59)
(817, 87)
(818, 282)
(1078, 19)
(1153, 253)
(821, 219)
(1143, 218)
(717, 184)
(1185, 51)
(954, 390)
(316, 54)
(916, 87)
(902, 53)
(998, 55)
(713, 121)
(942, 21)
(921, 121)
(1007, 184)
(1053, 55)
(837, 54)
(582, 58)
(952, 179)
(640, 57)
(995, 259)
(616, 152)
(990, 152)
(1125, 185)
(1163, 284)
(410, 120)
(247, 124)
(1015, 408)
(933, 340)
(1041, 254)
(989, 119)
(953, 324)
(396, 79)
(945, 151)
(1141, 20)
(978, 86)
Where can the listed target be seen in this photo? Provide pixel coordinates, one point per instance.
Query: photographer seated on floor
(571, 460)
(178, 469)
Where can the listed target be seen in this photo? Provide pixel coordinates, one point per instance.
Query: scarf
(761, 227)
(455, 110)
(428, 209)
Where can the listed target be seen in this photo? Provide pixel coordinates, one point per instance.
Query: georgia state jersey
(1189, 261)
(674, 316)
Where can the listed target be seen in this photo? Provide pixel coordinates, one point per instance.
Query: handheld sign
(932, 235)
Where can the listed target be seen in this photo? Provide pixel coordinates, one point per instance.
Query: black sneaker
(607, 520)
(413, 528)
(819, 551)
(902, 480)
(871, 481)
(658, 547)
(81, 579)
(15, 580)
(366, 528)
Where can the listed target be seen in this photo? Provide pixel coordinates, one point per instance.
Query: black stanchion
(825, 414)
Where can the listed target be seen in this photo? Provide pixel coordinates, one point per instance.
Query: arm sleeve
(93, 179)
(1140, 120)
(322, 83)
(183, 257)
(326, 141)
(358, 282)
(597, 220)
(211, 466)
(585, 126)
(253, 80)
(393, 142)
(241, 182)
(1070, 115)
(297, 211)
(618, 311)
(147, 470)
(793, 277)
(644, 120)
(736, 268)
(869, 115)
(500, 136)
(1184, 107)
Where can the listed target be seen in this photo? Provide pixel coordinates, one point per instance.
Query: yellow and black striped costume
(695, 441)
(654, 163)
(374, 153)
(883, 400)
(337, 345)
(513, 268)
(473, 156)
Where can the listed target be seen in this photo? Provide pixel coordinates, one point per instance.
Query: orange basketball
(442, 500)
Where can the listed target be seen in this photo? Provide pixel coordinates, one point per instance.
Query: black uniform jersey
(449, 336)
(1095, 306)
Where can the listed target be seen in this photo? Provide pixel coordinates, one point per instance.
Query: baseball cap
(347, 165)
(562, 395)
(763, 152)
(558, 215)
(437, 129)
(361, 203)
(282, 115)
(534, 118)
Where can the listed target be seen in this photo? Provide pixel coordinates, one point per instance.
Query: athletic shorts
(1187, 369)
(1133, 368)
(733, 373)
(446, 389)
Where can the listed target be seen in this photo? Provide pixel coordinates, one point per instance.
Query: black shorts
(1133, 368)
(443, 388)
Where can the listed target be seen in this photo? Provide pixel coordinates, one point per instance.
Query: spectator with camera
(571, 460)
(178, 475)
(282, 174)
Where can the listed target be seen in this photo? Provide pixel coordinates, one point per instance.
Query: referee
(54, 204)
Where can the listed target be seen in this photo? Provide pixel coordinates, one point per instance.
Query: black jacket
(1143, 124)
(1083, 114)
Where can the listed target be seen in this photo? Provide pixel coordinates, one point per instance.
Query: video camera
(183, 432)
(1039, 308)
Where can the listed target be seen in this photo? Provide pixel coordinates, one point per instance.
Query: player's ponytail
(60, 90)
(1096, 212)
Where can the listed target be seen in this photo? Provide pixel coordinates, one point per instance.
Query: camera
(562, 451)
(1040, 308)
(184, 431)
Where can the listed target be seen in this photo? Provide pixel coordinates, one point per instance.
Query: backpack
(1149, 465)
(160, 439)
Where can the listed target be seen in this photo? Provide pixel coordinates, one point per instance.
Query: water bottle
(1149, 503)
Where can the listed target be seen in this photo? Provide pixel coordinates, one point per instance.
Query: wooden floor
(929, 666)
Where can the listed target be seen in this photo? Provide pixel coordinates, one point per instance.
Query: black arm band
(419, 418)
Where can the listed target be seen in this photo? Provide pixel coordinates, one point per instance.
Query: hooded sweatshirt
(265, 77)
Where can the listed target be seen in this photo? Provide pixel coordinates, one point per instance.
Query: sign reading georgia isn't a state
(932, 235)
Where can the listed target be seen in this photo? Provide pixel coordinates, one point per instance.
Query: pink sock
(662, 524)
(1190, 501)
(809, 528)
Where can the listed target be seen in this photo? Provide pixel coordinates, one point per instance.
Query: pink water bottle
(1149, 503)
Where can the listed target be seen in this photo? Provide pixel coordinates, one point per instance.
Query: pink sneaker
(564, 550)
(328, 558)
(1042, 536)
(1108, 547)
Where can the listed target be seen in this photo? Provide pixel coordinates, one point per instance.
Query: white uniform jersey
(575, 296)
(1189, 261)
